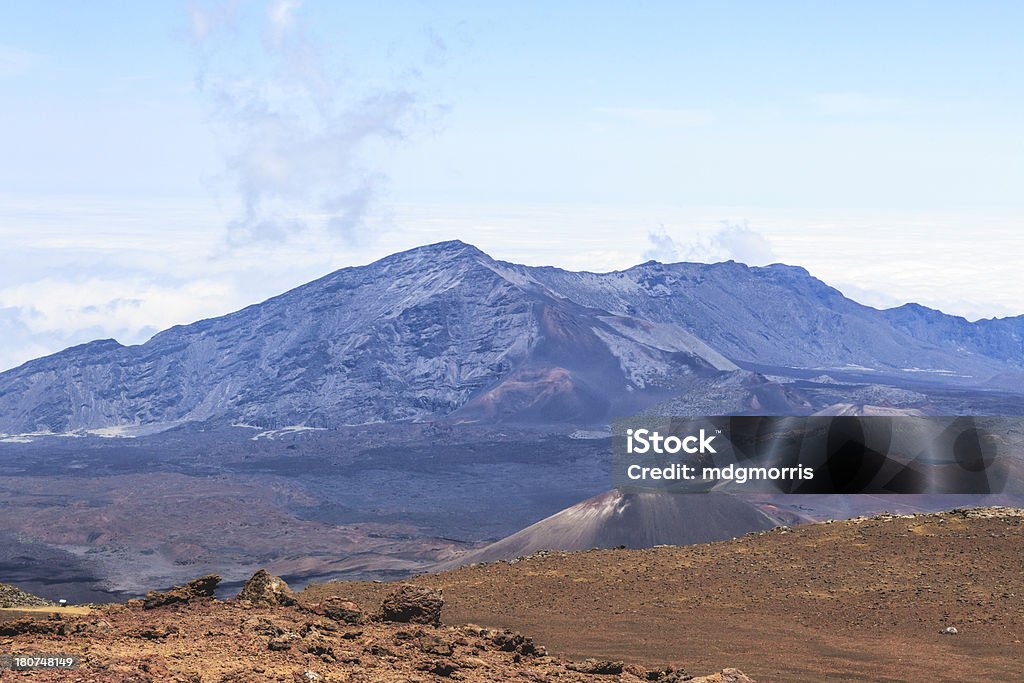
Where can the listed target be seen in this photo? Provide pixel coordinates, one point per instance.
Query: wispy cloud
(296, 140)
(282, 19)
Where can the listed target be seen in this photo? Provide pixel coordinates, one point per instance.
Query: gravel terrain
(867, 599)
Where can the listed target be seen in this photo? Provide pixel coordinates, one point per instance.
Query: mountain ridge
(445, 330)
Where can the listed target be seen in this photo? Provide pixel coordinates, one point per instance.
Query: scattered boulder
(438, 668)
(413, 605)
(315, 644)
(511, 641)
(595, 666)
(668, 674)
(154, 632)
(949, 631)
(725, 676)
(203, 587)
(88, 627)
(320, 625)
(260, 626)
(281, 642)
(263, 588)
(434, 645)
(341, 610)
(29, 627)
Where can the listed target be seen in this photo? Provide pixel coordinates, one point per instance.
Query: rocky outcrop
(10, 596)
(203, 587)
(412, 605)
(263, 588)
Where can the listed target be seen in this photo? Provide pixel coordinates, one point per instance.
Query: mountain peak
(449, 248)
(447, 252)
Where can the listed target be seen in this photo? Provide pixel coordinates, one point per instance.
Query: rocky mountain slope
(445, 330)
(11, 596)
(781, 315)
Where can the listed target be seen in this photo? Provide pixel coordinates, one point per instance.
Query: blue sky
(166, 161)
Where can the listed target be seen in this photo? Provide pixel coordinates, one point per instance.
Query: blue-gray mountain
(444, 330)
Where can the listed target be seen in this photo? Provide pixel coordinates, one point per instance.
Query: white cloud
(124, 307)
(662, 247)
(733, 241)
(740, 243)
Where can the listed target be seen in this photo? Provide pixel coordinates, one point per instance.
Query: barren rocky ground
(914, 598)
(186, 636)
(859, 600)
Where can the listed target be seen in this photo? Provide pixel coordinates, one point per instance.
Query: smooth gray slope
(634, 520)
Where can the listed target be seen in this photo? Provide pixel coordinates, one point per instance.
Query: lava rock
(433, 645)
(261, 626)
(413, 605)
(341, 610)
(438, 668)
(280, 643)
(203, 587)
(29, 627)
(154, 632)
(594, 666)
(263, 588)
(725, 676)
(510, 641)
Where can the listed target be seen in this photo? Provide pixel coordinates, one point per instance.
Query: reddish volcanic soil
(205, 640)
(861, 600)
